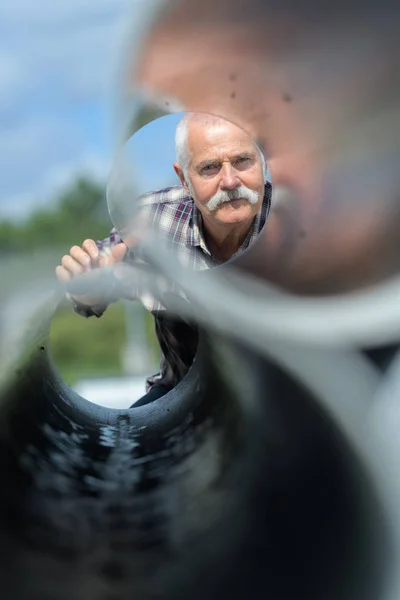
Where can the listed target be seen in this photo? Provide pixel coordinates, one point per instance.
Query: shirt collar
(195, 235)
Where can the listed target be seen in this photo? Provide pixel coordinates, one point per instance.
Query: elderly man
(217, 211)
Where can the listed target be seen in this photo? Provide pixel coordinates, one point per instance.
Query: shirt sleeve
(105, 246)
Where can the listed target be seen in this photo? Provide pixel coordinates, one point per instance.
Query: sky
(58, 72)
(151, 153)
(59, 64)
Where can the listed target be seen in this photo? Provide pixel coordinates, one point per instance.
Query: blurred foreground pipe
(234, 485)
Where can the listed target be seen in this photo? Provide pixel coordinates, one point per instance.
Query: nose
(229, 178)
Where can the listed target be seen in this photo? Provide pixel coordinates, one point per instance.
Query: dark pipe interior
(233, 485)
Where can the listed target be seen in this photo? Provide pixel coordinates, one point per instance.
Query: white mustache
(223, 196)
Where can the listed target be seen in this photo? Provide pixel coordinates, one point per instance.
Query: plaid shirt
(174, 215)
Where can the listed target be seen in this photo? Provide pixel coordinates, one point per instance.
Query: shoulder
(169, 211)
(268, 190)
(170, 196)
(267, 197)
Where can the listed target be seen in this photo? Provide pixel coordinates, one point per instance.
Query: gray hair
(182, 136)
(181, 143)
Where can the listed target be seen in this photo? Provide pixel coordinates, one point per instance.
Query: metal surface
(236, 481)
(272, 468)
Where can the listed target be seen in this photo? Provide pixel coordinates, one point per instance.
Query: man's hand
(84, 259)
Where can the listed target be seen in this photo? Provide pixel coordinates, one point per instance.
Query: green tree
(9, 238)
(80, 212)
(80, 347)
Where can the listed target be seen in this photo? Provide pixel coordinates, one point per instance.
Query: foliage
(79, 213)
(92, 347)
(80, 347)
(86, 347)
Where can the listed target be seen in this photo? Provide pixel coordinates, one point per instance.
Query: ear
(179, 171)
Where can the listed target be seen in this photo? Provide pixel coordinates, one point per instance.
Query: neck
(223, 241)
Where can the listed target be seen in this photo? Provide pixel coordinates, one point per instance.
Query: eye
(209, 169)
(242, 161)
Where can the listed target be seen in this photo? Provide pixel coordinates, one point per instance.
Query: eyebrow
(244, 155)
(210, 162)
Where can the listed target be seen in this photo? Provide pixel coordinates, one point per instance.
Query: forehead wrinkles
(218, 141)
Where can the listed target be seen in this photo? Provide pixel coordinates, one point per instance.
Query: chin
(227, 214)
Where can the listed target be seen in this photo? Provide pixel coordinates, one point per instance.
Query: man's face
(225, 175)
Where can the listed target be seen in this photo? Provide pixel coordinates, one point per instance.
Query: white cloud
(68, 47)
(77, 41)
(55, 58)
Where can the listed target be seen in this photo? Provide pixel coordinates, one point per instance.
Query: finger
(62, 274)
(71, 265)
(81, 257)
(117, 255)
(118, 252)
(91, 248)
(131, 240)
